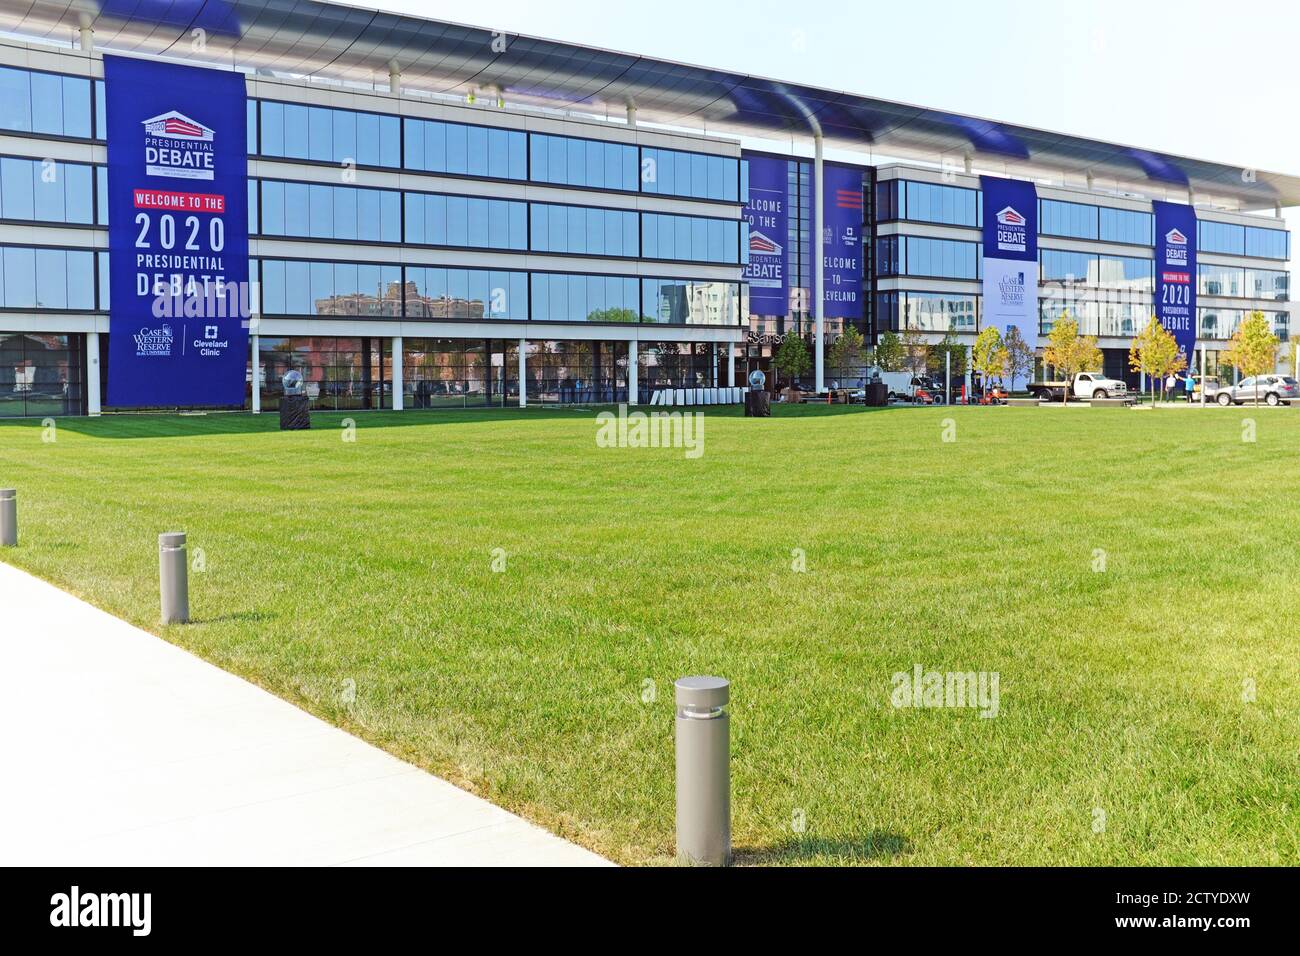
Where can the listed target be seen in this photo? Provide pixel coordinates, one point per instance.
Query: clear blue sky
(1092, 67)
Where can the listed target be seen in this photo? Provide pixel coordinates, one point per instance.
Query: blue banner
(1010, 249)
(178, 234)
(1176, 272)
(768, 218)
(842, 237)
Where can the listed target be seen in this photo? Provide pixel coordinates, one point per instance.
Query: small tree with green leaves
(949, 353)
(845, 352)
(1069, 352)
(1155, 352)
(889, 353)
(1253, 347)
(1020, 357)
(916, 351)
(792, 357)
(989, 355)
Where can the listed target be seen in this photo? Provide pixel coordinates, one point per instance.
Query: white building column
(93, 401)
(399, 396)
(633, 385)
(819, 263)
(731, 364)
(255, 342)
(523, 372)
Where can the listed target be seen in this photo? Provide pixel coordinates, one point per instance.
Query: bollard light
(173, 578)
(703, 771)
(8, 517)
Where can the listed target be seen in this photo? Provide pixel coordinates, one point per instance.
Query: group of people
(1176, 383)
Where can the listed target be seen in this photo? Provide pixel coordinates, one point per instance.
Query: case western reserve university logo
(152, 343)
(1012, 234)
(178, 147)
(1011, 290)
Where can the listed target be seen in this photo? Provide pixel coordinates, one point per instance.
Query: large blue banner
(178, 234)
(1010, 250)
(842, 237)
(1176, 272)
(768, 218)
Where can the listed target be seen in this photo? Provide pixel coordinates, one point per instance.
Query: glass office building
(423, 212)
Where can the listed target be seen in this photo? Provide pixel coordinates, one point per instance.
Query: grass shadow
(873, 847)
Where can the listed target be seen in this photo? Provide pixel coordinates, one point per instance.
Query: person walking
(1171, 383)
(1189, 382)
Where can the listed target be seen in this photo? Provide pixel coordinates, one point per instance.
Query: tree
(916, 351)
(846, 352)
(1155, 352)
(1069, 352)
(1020, 357)
(1253, 347)
(889, 353)
(989, 355)
(949, 351)
(792, 357)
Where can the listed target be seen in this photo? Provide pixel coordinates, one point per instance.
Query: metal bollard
(8, 517)
(173, 578)
(703, 734)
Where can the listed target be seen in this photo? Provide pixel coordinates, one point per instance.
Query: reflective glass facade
(47, 191)
(584, 230)
(40, 374)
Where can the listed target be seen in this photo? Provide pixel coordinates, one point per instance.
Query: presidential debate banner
(842, 238)
(1011, 256)
(766, 213)
(1176, 272)
(178, 234)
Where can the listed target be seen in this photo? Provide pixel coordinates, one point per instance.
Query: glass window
(931, 202)
(1070, 219)
(1268, 243)
(582, 230)
(48, 103)
(669, 172)
(435, 292)
(1219, 280)
(1078, 268)
(47, 278)
(690, 238)
(938, 311)
(438, 147)
(559, 297)
(1125, 272)
(580, 162)
(330, 288)
(690, 302)
(940, 258)
(1267, 284)
(1220, 237)
(1127, 225)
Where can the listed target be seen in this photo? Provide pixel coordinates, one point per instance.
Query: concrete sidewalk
(122, 749)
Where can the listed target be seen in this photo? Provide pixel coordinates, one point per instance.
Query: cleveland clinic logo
(178, 147)
(1011, 230)
(1175, 248)
(154, 342)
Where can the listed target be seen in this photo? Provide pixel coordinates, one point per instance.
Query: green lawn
(1121, 691)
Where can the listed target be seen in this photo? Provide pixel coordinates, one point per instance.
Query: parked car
(1213, 385)
(1083, 385)
(1269, 389)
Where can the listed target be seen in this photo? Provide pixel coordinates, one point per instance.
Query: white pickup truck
(1084, 385)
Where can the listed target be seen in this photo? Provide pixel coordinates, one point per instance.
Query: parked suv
(1270, 389)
